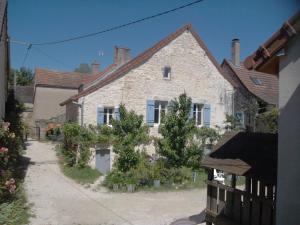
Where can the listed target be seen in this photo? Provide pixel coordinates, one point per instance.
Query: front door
(103, 160)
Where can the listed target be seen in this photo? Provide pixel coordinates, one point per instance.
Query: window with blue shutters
(150, 113)
(117, 113)
(100, 115)
(241, 117)
(197, 114)
(206, 115)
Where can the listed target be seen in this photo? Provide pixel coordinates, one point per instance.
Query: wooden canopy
(253, 155)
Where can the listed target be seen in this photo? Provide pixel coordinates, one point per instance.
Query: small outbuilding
(254, 156)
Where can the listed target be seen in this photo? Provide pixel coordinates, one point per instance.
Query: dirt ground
(58, 200)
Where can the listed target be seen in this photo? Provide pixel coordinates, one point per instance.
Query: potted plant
(130, 183)
(156, 176)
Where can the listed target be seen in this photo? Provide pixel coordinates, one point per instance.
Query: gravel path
(57, 200)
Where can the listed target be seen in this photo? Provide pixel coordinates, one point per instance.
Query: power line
(26, 55)
(50, 57)
(117, 27)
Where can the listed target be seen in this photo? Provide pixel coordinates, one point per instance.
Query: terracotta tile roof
(266, 91)
(246, 154)
(143, 57)
(50, 78)
(275, 43)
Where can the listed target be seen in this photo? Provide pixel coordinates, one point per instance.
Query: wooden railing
(251, 207)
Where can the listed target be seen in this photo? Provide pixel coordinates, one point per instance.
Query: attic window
(167, 72)
(256, 80)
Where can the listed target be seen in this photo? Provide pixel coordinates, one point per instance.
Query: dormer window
(256, 81)
(167, 72)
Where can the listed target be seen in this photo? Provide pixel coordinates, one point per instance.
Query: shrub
(114, 177)
(129, 133)
(77, 143)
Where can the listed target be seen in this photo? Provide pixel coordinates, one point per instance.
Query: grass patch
(16, 211)
(84, 175)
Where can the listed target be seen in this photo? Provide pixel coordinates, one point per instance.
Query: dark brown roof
(143, 57)
(246, 154)
(24, 94)
(267, 91)
(274, 44)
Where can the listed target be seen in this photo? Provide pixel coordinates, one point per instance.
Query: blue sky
(217, 22)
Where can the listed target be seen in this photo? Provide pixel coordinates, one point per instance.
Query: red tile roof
(267, 91)
(51, 78)
(143, 57)
(274, 44)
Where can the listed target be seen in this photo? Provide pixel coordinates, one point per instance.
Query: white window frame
(107, 115)
(196, 114)
(159, 110)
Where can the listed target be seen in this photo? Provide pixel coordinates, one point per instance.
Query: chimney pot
(235, 52)
(122, 55)
(95, 67)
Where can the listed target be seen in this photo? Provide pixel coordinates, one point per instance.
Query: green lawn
(85, 175)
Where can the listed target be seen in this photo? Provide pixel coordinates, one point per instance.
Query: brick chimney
(95, 67)
(235, 52)
(122, 55)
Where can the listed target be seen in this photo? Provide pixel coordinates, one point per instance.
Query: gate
(103, 160)
(33, 133)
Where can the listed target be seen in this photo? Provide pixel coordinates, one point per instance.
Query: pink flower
(3, 150)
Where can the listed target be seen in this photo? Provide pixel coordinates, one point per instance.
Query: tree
(24, 76)
(177, 132)
(129, 133)
(83, 68)
(267, 122)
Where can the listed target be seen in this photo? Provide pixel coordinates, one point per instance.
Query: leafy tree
(24, 76)
(77, 142)
(232, 123)
(129, 133)
(267, 122)
(83, 68)
(177, 131)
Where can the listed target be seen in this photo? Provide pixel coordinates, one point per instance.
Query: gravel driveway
(57, 200)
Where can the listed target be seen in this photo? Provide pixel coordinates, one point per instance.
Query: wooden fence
(255, 206)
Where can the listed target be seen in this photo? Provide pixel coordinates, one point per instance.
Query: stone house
(178, 63)
(4, 57)
(255, 91)
(280, 56)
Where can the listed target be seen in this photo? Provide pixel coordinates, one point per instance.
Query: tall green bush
(177, 131)
(129, 133)
(77, 143)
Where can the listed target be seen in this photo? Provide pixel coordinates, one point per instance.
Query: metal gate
(103, 160)
(33, 133)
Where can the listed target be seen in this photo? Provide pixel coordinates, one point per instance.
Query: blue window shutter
(150, 113)
(191, 111)
(117, 113)
(100, 115)
(206, 115)
(241, 117)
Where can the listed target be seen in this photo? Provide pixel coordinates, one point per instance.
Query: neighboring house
(255, 91)
(179, 63)
(4, 57)
(254, 156)
(280, 55)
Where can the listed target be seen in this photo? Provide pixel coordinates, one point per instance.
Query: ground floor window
(108, 116)
(160, 108)
(197, 114)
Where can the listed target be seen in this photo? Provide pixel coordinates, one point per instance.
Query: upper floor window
(160, 108)
(167, 72)
(108, 115)
(197, 114)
